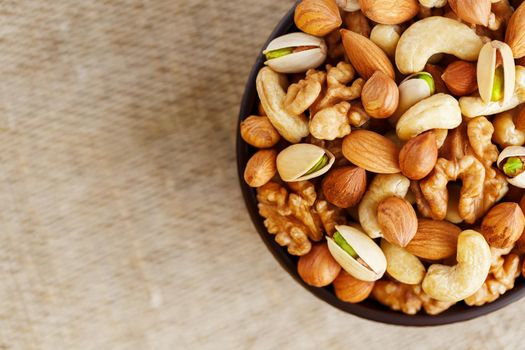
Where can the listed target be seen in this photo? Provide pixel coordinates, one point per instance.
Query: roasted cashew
(383, 186)
(433, 35)
(402, 265)
(270, 87)
(440, 111)
(473, 106)
(455, 283)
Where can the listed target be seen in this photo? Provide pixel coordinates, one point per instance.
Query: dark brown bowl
(368, 309)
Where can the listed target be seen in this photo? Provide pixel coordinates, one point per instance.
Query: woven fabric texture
(121, 220)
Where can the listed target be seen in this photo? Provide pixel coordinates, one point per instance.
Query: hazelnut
(344, 186)
(318, 268)
(418, 156)
(380, 96)
(350, 289)
(503, 225)
(259, 132)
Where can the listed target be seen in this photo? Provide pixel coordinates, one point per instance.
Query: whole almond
(318, 268)
(472, 11)
(418, 156)
(397, 219)
(350, 289)
(344, 186)
(388, 11)
(365, 56)
(503, 225)
(515, 35)
(380, 95)
(434, 240)
(520, 243)
(371, 151)
(317, 17)
(260, 168)
(460, 78)
(259, 132)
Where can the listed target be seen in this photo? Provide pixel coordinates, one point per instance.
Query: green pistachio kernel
(340, 241)
(427, 77)
(319, 165)
(278, 53)
(497, 88)
(512, 166)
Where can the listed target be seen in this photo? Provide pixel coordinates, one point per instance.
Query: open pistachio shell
(487, 66)
(295, 161)
(513, 151)
(411, 91)
(366, 249)
(299, 61)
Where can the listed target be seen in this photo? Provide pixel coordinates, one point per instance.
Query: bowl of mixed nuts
(381, 155)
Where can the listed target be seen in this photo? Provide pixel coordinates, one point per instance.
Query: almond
(365, 56)
(318, 268)
(472, 11)
(260, 168)
(350, 289)
(380, 95)
(434, 240)
(344, 186)
(515, 35)
(460, 78)
(317, 17)
(519, 119)
(388, 11)
(418, 156)
(520, 243)
(503, 225)
(397, 219)
(371, 151)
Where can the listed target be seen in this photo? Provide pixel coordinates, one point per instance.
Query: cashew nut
(383, 186)
(473, 106)
(402, 265)
(434, 35)
(440, 111)
(386, 37)
(270, 87)
(505, 131)
(455, 283)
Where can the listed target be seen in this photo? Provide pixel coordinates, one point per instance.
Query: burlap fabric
(121, 220)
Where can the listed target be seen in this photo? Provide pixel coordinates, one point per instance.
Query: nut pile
(389, 149)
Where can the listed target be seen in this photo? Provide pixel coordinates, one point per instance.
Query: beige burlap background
(121, 220)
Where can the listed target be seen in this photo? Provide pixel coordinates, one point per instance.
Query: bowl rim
(370, 310)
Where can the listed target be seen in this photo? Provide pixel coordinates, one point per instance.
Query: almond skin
(318, 268)
(460, 78)
(434, 240)
(371, 151)
(503, 225)
(472, 11)
(398, 220)
(515, 35)
(350, 289)
(520, 243)
(380, 96)
(260, 168)
(344, 186)
(418, 156)
(365, 56)
(388, 11)
(317, 17)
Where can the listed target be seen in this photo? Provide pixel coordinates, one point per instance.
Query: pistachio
(357, 253)
(512, 162)
(303, 161)
(295, 53)
(413, 89)
(496, 72)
